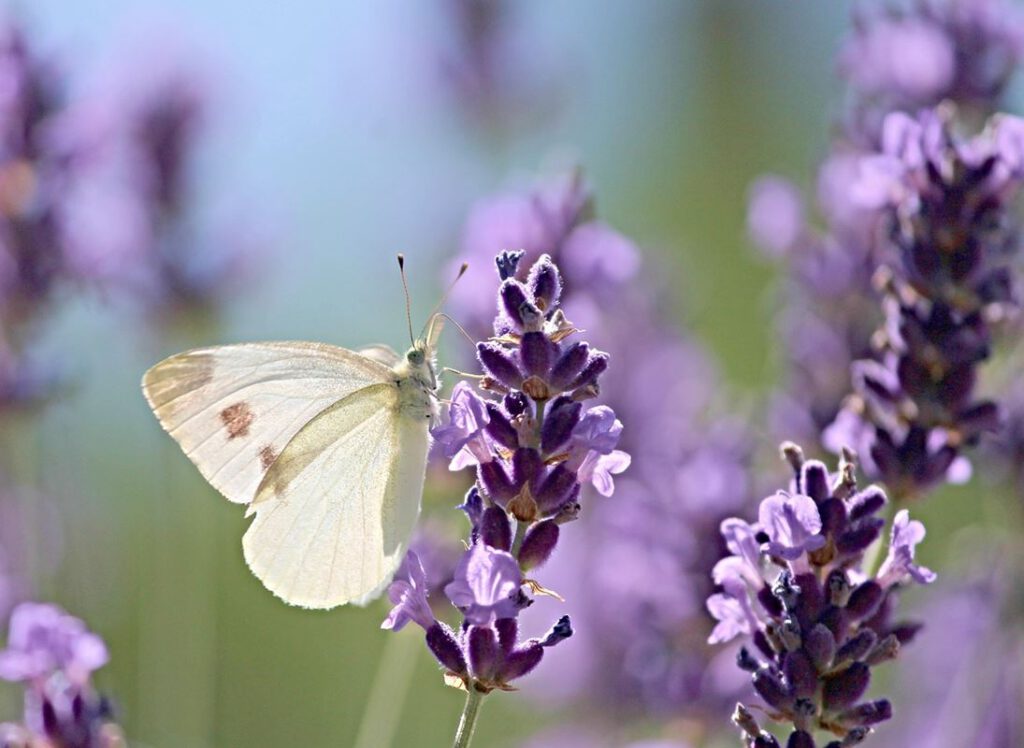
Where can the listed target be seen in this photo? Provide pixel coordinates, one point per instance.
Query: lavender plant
(950, 279)
(815, 617)
(54, 655)
(645, 655)
(533, 444)
(899, 57)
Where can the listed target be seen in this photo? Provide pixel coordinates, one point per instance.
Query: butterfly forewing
(335, 511)
(234, 408)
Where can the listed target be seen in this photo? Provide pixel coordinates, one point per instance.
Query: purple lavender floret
(533, 444)
(54, 655)
(816, 621)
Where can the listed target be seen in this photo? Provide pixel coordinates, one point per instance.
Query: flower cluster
(645, 654)
(816, 621)
(948, 280)
(532, 445)
(907, 57)
(54, 655)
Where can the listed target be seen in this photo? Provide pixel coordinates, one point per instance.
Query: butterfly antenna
(408, 302)
(435, 312)
(458, 327)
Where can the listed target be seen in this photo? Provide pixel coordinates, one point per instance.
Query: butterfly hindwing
(335, 511)
(234, 408)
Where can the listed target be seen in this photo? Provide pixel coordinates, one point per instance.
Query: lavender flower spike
(533, 445)
(817, 623)
(486, 585)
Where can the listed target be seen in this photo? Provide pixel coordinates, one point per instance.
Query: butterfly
(326, 446)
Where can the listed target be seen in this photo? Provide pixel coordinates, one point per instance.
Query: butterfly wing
(234, 408)
(335, 511)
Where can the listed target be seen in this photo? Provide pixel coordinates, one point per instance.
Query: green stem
(383, 710)
(517, 541)
(467, 722)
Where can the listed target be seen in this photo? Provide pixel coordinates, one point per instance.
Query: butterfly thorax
(417, 382)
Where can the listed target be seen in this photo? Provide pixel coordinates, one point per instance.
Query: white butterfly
(327, 446)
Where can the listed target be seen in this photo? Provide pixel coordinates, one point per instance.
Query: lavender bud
(495, 529)
(860, 535)
(595, 367)
(866, 502)
(856, 736)
(800, 673)
(555, 489)
(770, 688)
(558, 424)
(500, 428)
(508, 263)
(839, 589)
(864, 600)
(885, 650)
(513, 300)
(499, 363)
(814, 480)
(561, 631)
(866, 714)
(569, 365)
(765, 740)
(789, 633)
(820, 645)
(483, 652)
(508, 632)
(521, 661)
(537, 354)
(833, 517)
(526, 465)
(746, 661)
(845, 688)
(473, 506)
(442, 643)
(538, 544)
(857, 646)
(544, 283)
(495, 481)
(515, 403)
(800, 739)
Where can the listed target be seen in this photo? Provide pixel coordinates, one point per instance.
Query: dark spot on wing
(237, 419)
(267, 457)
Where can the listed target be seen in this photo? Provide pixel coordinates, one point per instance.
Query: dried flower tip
(743, 719)
(793, 454)
(523, 507)
(508, 263)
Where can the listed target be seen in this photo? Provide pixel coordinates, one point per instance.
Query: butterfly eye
(415, 356)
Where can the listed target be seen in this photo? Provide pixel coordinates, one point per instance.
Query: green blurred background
(327, 126)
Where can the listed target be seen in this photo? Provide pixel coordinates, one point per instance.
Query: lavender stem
(467, 722)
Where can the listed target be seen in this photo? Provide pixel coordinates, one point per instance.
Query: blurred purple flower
(43, 639)
(775, 215)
